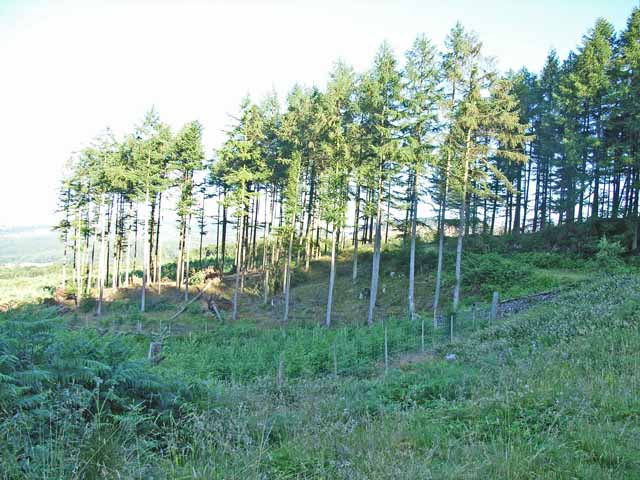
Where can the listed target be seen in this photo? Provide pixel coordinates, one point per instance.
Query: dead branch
(184, 307)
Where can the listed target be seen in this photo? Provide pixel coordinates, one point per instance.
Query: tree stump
(155, 353)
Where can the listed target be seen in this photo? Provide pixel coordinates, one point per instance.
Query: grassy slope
(512, 273)
(19, 284)
(550, 393)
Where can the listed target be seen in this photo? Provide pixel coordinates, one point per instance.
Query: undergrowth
(548, 393)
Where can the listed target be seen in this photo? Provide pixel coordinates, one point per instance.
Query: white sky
(71, 68)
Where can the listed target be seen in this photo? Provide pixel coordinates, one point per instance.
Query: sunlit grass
(547, 393)
(27, 284)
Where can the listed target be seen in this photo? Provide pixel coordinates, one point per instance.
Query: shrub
(551, 260)
(609, 254)
(490, 272)
(62, 392)
(87, 304)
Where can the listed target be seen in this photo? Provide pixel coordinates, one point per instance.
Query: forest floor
(513, 275)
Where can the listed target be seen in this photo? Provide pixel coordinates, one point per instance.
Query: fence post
(335, 361)
(386, 351)
(280, 377)
(155, 352)
(451, 326)
(494, 306)
(473, 316)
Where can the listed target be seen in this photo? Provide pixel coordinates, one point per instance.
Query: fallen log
(211, 304)
(184, 307)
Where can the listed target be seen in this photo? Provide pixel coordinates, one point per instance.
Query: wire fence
(400, 342)
(243, 353)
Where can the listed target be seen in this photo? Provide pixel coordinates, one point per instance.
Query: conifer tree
(462, 48)
(382, 90)
(334, 181)
(188, 156)
(420, 102)
(149, 146)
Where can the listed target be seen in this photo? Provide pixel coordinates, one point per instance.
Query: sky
(69, 69)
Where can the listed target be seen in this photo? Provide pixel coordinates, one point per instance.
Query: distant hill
(40, 244)
(33, 244)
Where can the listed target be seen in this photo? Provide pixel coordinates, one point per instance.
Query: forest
(352, 164)
(428, 269)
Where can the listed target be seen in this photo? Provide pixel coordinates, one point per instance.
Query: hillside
(549, 392)
(35, 244)
(262, 248)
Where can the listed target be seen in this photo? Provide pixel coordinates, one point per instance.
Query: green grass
(548, 393)
(551, 392)
(19, 284)
(242, 353)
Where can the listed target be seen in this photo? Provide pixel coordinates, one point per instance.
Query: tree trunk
(129, 242)
(527, 188)
(356, 224)
(310, 214)
(516, 216)
(77, 257)
(108, 233)
(135, 239)
(157, 245)
(201, 232)
(218, 232)
(152, 231)
(238, 262)
(388, 217)
(180, 259)
(375, 269)
(93, 248)
(188, 256)
(412, 251)
(465, 180)
(245, 246)
(223, 250)
(254, 239)
(113, 235)
(287, 277)
(101, 256)
(265, 243)
(441, 226)
(145, 249)
(332, 276)
(64, 262)
(442, 217)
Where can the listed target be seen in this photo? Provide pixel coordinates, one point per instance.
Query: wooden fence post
(280, 377)
(386, 351)
(473, 316)
(494, 306)
(155, 352)
(451, 327)
(335, 361)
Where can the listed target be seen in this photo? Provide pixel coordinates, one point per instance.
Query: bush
(551, 260)
(87, 304)
(609, 254)
(64, 392)
(490, 272)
